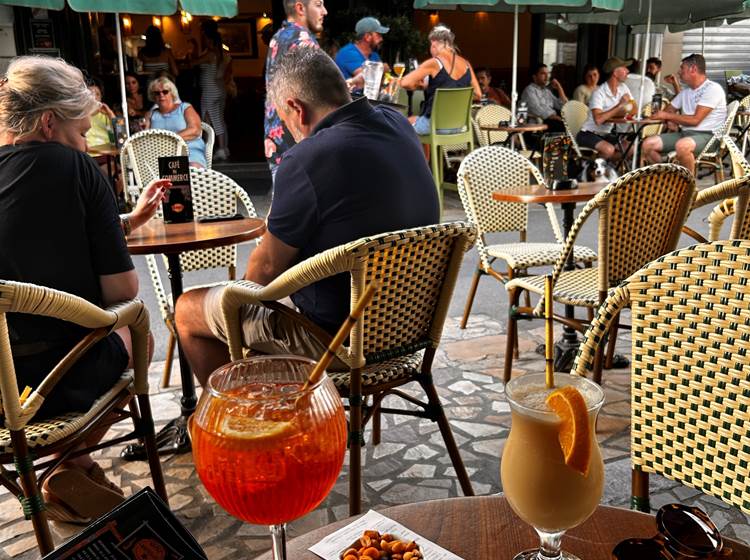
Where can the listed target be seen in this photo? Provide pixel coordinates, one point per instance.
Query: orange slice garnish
(575, 437)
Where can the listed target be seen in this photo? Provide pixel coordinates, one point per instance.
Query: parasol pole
(646, 45)
(121, 65)
(514, 93)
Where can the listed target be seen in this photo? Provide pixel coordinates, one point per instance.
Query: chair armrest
(694, 234)
(726, 189)
(617, 299)
(21, 297)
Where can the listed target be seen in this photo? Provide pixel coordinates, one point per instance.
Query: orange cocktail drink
(267, 451)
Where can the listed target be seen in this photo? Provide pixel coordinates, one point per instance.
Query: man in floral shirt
(304, 19)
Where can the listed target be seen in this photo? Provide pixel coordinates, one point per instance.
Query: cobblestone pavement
(410, 464)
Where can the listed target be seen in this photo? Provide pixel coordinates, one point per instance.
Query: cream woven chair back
(490, 169)
(209, 137)
(140, 153)
(740, 165)
(416, 269)
(715, 143)
(574, 114)
(490, 115)
(690, 377)
(640, 219)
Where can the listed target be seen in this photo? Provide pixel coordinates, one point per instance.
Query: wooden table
(513, 130)
(530, 194)
(486, 528)
(172, 239)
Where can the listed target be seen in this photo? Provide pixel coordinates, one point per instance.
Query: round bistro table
(485, 527)
(156, 237)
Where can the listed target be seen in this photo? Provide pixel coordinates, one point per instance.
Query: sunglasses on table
(161, 92)
(684, 532)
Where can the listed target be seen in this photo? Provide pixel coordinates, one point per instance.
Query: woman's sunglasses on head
(684, 532)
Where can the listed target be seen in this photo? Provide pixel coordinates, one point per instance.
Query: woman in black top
(446, 69)
(59, 228)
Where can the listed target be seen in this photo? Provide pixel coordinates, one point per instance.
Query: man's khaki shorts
(266, 331)
(669, 140)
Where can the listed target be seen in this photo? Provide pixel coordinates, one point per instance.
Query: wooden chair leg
(511, 334)
(167, 373)
(598, 363)
(639, 491)
(32, 497)
(527, 300)
(437, 412)
(612, 342)
(470, 298)
(355, 444)
(146, 427)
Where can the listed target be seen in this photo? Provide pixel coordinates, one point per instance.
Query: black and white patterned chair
(495, 168)
(213, 194)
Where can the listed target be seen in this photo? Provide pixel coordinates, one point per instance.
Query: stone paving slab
(410, 464)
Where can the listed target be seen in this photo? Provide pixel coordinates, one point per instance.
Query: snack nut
(374, 546)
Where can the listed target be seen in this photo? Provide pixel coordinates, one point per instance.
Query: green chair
(451, 110)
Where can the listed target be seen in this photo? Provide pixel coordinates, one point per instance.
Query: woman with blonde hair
(446, 69)
(170, 113)
(59, 228)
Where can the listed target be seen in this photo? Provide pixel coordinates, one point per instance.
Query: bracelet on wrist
(127, 227)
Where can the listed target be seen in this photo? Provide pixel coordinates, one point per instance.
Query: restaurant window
(560, 50)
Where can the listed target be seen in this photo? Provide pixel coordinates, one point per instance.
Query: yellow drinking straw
(549, 345)
(343, 332)
(24, 395)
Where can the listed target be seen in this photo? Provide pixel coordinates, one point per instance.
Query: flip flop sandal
(72, 487)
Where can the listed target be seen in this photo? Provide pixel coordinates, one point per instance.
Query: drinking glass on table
(552, 470)
(265, 449)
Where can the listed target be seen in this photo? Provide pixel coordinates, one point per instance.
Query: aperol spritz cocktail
(265, 449)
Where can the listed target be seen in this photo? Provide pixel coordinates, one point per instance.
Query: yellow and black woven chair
(640, 219)
(495, 168)
(733, 197)
(395, 341)
(24, 439)
(690, 381)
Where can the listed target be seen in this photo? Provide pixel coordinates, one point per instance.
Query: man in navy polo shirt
(351, 57)
(356, 171)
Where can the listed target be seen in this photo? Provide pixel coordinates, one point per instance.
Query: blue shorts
(422, 127)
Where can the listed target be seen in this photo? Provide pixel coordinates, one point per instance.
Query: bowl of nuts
(375, 546)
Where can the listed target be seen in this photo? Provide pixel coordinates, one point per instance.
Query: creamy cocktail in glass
(544, 490)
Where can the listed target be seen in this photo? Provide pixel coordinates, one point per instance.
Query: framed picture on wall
(240, 36)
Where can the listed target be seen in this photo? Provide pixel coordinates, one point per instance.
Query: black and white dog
(598, 171)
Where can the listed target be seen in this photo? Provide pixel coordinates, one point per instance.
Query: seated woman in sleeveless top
(446, 69)
(170, 113)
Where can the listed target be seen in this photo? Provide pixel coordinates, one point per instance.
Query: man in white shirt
(608, 101)
(704, 110)
(633, 81)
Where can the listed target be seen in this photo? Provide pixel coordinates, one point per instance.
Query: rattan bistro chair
(733, 196)
(395, 341)
(574, 114)
(495, 168)
(213, 194)
(24, 439)
(209, 137)
(140, 156)
(640, 219)
(690, 379)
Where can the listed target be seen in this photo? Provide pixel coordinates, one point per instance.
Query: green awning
(224, 8)
(537, 6)
(635, 12)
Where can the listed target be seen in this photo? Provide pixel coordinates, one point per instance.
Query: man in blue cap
(365, 47)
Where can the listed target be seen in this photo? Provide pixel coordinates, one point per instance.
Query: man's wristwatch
(126, 225)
